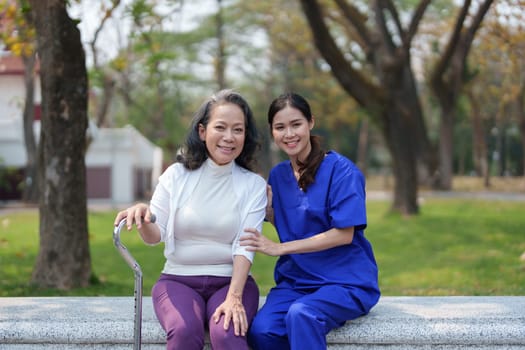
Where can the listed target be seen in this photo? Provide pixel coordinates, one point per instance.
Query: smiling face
(291, 133)
(225, 133)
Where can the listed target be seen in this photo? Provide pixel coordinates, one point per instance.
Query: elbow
(345, 239)
(346, 236)
(151, 240)
(244, 258)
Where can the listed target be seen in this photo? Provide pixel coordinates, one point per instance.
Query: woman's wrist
(234, 295)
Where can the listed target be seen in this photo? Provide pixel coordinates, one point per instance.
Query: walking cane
(137, 331)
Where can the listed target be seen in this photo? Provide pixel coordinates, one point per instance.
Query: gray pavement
(395, 323)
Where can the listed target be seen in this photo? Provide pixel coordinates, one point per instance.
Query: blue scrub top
(335, 200)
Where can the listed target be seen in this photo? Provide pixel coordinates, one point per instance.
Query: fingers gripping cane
(137, 331)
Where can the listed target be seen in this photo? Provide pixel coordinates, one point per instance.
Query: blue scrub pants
(299, 320)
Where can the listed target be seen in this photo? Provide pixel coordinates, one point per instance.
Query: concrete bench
(396, 323)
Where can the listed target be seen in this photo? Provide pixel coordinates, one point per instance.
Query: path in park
(103, 205)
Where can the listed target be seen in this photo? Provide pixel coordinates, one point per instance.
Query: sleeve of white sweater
(160, 201)
(254, 206)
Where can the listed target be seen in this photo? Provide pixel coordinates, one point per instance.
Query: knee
(298, 312)
(221, 339)
(180, 336)
(226, 339)
(217, 332)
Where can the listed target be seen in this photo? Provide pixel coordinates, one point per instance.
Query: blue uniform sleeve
(347, 197)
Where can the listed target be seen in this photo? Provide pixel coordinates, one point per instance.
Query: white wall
(12, 95)
(11, 128)
(124, 149)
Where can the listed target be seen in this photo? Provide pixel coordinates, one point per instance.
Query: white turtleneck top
(204, 218)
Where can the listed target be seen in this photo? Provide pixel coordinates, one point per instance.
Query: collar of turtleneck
(218, 170)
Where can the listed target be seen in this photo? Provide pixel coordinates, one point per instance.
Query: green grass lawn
(455, 247)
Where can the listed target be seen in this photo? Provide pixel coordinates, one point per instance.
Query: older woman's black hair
(194, 151)
(307, 168)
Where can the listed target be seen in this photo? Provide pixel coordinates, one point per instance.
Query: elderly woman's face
(225, 133)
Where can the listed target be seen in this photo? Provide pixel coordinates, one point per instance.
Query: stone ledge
(396, 323)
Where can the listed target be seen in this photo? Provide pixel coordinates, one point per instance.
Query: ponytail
(308, 169)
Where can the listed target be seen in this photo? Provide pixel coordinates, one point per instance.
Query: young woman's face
(291, 132)
(225, 133)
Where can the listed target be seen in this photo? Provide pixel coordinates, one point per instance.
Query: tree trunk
(30, 193)
(448, 78)
(446, 146)
(403, 163)
(479, 144)
(498, 133)
(520, 112)
(392, 102)
(502, 164)
(63, 259)
(362, 146)
(522, 133)
(108, 89)
(220, 65)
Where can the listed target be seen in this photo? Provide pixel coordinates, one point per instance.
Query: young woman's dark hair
(194, 152)
(308, 169)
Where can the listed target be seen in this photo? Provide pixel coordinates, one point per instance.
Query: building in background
(122, 165)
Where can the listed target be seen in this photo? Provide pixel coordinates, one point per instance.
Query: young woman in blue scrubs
(326, 273)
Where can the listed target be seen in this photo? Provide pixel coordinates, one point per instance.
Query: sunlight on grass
(455, 247)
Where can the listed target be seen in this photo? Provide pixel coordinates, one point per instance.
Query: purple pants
(184, 306)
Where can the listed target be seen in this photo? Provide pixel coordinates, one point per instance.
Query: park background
(425, 96)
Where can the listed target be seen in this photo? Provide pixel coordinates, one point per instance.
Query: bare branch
(461, 40)
(445, 59)
(395, 15)
(351, 79)
(107, 15)
(468, 36)
(381, 23)
(358, 21)
(416, 19)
